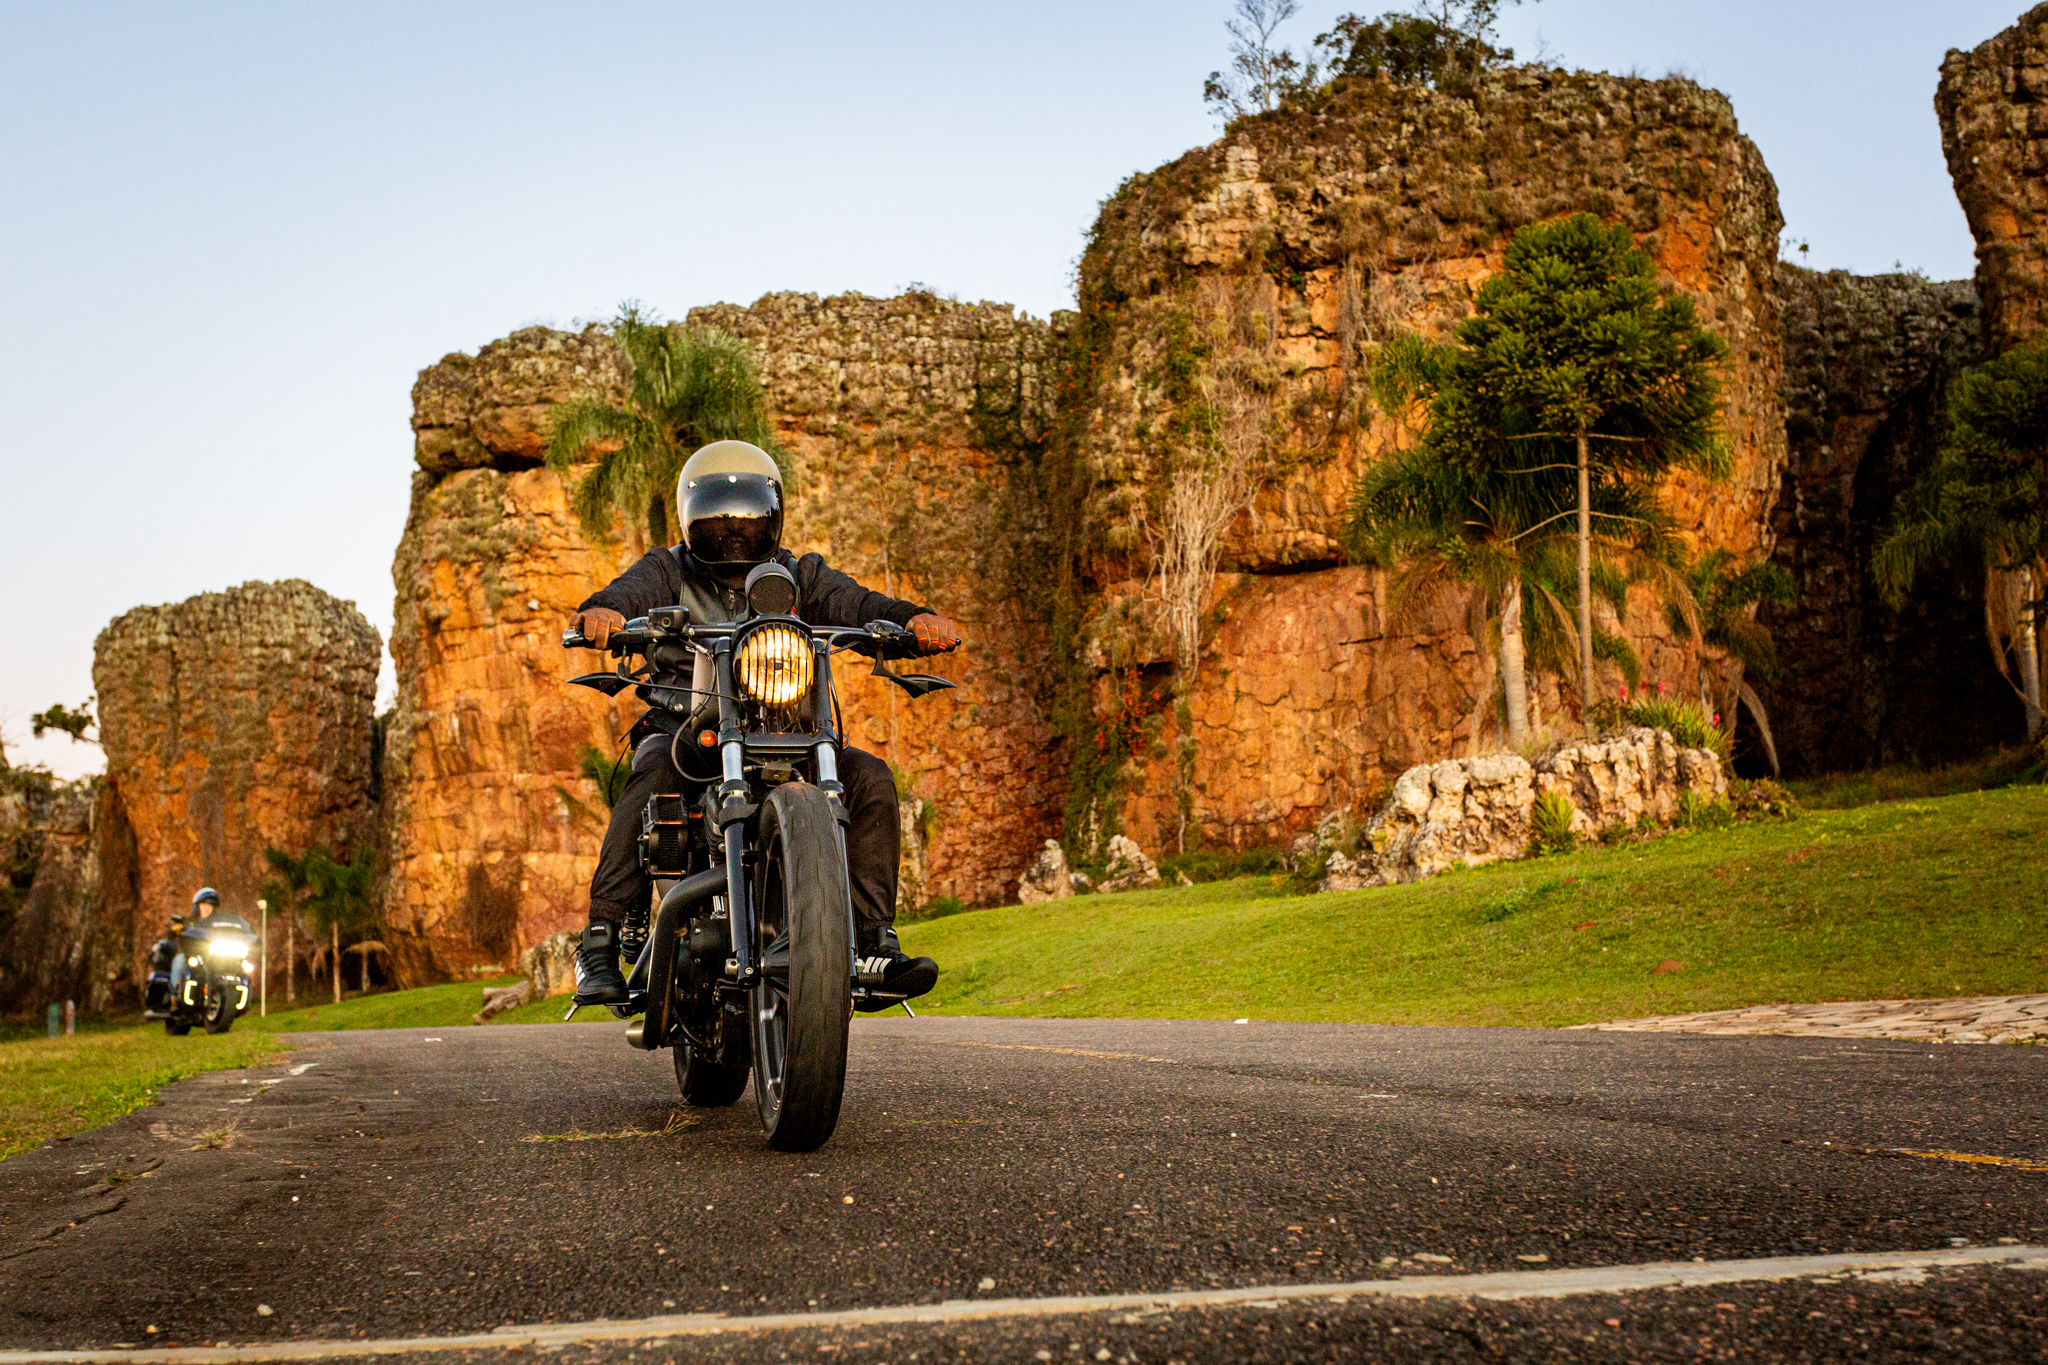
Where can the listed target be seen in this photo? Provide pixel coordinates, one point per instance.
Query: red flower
(1717, 718)
(1660, 689)
(1624, 691)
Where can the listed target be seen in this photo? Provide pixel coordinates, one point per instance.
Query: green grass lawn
(1923, 898)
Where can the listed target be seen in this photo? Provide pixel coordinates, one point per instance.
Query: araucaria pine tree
(1576, 359)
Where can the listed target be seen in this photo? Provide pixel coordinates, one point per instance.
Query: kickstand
(909, 1011)
(573, 1007)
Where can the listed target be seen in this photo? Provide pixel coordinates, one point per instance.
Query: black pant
(874, 838)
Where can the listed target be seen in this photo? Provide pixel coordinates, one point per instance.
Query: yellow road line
(1976, 1159)
(1035, 1047)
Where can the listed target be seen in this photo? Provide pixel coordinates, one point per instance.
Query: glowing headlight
(227, 948)
(776, 665)
(247, 966)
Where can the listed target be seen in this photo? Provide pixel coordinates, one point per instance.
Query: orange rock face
(1247, 286)
(232, 722)
(491, 825)
(1993, 104)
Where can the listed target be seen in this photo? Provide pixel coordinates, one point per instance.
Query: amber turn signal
(706, 738)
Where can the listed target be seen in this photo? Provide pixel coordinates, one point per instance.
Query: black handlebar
(876, 639)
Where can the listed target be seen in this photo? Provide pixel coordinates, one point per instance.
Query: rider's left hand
(935, 634)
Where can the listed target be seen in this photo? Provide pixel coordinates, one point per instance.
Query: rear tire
(803, 1008)
(705, 1084)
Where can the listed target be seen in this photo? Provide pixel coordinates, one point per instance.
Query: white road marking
(302, 1068)
(1512, 1284)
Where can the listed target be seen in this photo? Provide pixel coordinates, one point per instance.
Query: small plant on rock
(1550, 824)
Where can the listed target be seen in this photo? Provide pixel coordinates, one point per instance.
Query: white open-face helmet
(729, 499)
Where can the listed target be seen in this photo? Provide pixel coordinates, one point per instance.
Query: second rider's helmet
(206, 895)
(729, 499)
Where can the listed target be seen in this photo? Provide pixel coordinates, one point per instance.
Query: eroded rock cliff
(1993, 106)
(232, 722)
(912, 424)
(1259, 275)
(55, 940)
(1867, 361)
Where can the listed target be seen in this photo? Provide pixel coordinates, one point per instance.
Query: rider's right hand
(597, 625)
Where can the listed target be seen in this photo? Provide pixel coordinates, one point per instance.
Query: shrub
(1550, 824)
(1694, 813)
(1762, 799)
(1222, 865)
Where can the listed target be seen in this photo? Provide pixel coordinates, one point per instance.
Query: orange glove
(935, 634)
(597, 625)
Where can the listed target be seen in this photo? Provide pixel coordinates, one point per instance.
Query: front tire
(803, 1008)
(220, 1010)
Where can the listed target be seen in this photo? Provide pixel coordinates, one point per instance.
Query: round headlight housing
(775, 664)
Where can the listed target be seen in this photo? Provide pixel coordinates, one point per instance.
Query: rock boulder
(1477, 810)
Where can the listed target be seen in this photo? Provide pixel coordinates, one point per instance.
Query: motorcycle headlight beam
(227, 948)
(776, 665)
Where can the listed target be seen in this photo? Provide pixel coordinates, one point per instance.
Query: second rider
(729, 501)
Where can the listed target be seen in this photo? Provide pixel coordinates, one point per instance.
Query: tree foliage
(1724, 598)
(1986, 496)
(1986, 493)
(62, 718)
(1574, 336)
(691, 385)
(335, 894)
(1260, 75)
(1438, 43)
(1441, 43)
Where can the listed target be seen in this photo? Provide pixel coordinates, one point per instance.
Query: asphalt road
(409, 1183)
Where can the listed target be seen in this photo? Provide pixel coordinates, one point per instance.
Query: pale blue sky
(233, 233)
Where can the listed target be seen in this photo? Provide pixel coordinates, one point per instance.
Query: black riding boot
(884, 966)
(598, 980)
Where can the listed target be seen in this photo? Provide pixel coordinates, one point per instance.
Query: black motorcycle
(747, 963)
(201, 975)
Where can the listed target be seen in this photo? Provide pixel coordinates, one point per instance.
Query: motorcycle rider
(729, 501)
(165, 957)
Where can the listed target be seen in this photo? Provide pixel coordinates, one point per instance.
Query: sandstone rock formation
(1259, 275)
(1993, 105)
(1867, 360)
(910, 421)
(55, 941)
(232, 722)
(1478, 810)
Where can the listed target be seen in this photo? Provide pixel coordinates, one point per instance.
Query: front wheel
(220, 1010)
(803, 1008)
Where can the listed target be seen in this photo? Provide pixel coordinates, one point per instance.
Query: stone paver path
(1973, 1019)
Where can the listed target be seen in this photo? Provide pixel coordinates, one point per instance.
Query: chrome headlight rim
(751, 659)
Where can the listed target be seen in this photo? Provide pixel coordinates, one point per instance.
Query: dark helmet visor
(732, 519)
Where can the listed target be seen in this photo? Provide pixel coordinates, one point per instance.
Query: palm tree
(1986, 495)
(691, 385)
(1725, 599)
(1504, 537)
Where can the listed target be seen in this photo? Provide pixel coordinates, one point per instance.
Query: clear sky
(231, 234)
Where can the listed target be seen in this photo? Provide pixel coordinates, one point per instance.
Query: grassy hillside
(1923, 898)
